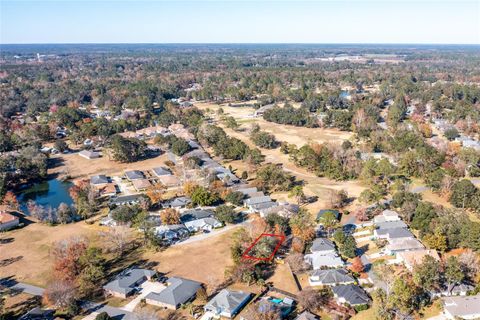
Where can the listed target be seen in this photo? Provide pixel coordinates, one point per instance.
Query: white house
(462, 307)
(319, 261)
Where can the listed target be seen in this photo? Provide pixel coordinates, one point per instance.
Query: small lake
(344, 94)
(48, 193)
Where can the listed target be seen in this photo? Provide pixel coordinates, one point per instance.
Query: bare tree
(253, 313)
(470, 262)
(311, 299)
(117, 239)
(60, 294)
(338, 198)
(297, 262)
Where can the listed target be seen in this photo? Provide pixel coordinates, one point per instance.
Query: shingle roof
(391, 225)
(305, 315)
(134, 174)
(322, 244)
(227, 301)
(332, 276)
(195, 214)
(160, 171)
(462, 306)
(353, 295)
(257, 200)
(99, 179)
(395, 233)
(125, 281)
(178, 291)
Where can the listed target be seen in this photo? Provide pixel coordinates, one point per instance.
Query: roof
(6, 217)
(160, 171)
(247, 191)
(200, 223)
(332, 276)
(126, 280)
(227, 301)
(195, 214)
(305, 315)
(413, 258)
(257, 200)
(177, 202)
(391, 225)
(134, 175)
(169, 180)
(89, 154)
(99, 179)
(318, 260)
(404, 244)
(462, 306)
(141, 184)
(126, 198)
(353, 295)
(264, 205)
(322, 244)
(179, 291)
(395, 233)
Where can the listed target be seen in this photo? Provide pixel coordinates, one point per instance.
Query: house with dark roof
(305, 315)
(129, 199)
(391, 225)
(178, 292)
(134, 175)
(393, 233)
(38, 313)
(99, 180)
(330, 277)
(350, 294)
(127, 281)
(323, 246)
(177, 203)
(172, 232)
(227, 303)
(195, 214)
(161, 171)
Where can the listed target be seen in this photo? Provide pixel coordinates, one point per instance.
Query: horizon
(357, 22)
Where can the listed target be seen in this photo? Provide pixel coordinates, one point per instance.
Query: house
(129, 199)
(260, 111)
(227, 303)
(169, 181)
(172, 232)
(177, 203)
(195, 214)
(286, 210)
(305, 315)
(178, 292)
(252, 202)
(207, 224)
(391, 225)
(319, 261)
(247, 191)
(141, 184)
(262, 206)
(7, 220)
(396, 246)
(350, 294)
(321, 213)
(462, 307)
(323, 246)
(461, 289)
(330, 277)
(386, 216)
(107, 190)
(99, 180)
(39, 314)
(160, 171)
(267, 304)
(228, 178)
(126, 282)
(134, 175)
(87, 154)
(412, 258)
(393, 233)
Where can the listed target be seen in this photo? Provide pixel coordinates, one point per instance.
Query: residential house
(386, 216)
(160, 171)
(195, 214)
(391, 225)
(350, 294)
(330, 277)
(178, 292)
(247, 191)
(461, 289)
(260, 111)
(286, 210)
(305, 315)
(107, 190)
(169, 181)
(87, 154)
(409, 244)
(127, 281)
(38, 313)
(206, 224)
(7, 220)
(323, 246)
(129, 199)
(462, 307)
(252, 203)
(283, 307)
(228, 178)
(134, 175)
(319, 261)
(393, 233)
(177, 203)
(227, 303)
(412, 258)
(99, 180)
(141, 184)
(172, 232)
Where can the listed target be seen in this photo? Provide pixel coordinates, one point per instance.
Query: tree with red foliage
(357, 265)
(67, 253)
(10, 200)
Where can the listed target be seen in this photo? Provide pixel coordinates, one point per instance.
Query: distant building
(87, 154)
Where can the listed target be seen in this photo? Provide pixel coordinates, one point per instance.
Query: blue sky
(359, 21)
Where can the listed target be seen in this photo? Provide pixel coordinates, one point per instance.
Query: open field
(25, 253)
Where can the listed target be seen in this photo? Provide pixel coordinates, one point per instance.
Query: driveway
(147, 287)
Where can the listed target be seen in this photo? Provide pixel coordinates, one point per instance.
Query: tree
(170, 216)
(235, 198)
(227, 214)
(436, 241)
(103, 316)
(453, 272)
(297, 193)
(202, 197)
(61, 145)
(60, 294)
(302, 226)
(244, 175)
(297, 263)
(357, 265)
(10, 200)
(311, 299)
(463, 194)
(67, 255)
(403, 297)
(451, 134)
(123, 214)
(338, 199)
(117, 239)
(126, 149)
(92, 263)
(349, 247)
(427, 274)
(329, 220)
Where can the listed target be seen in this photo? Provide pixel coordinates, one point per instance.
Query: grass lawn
(117, 302)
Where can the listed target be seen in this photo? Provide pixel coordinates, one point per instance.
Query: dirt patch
(283, 279)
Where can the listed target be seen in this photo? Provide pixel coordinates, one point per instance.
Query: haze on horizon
(381, 21)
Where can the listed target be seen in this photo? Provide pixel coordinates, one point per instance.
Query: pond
(47, 193)
(344, 94)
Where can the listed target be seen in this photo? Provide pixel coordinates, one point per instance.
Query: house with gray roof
(99, 180)
(129, 199)
(177, 203)
(305, 315)
(227, 303)
(320, 261)
(247, 191)
(393, 233)
(462, 307)
(391, 225)
(161, 171)
(125, 283)
(195, 214)
(330, 277)
(323, 246)
(134, 175)
(178, 292)
(172, 232)
(350, 294)
(206, 224)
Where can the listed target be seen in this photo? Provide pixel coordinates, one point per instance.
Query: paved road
(24, 287)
